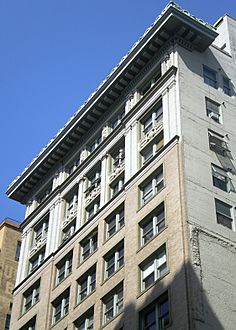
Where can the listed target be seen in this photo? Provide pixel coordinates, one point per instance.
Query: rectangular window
(157, 315)
(86, 284)
(152, 119)
(60, 306)
(220, 178)
(37, 259)
(151, 147)
(18, 246)
(68, 231)
(218, 144)
(44, 193)
(31, 296)
(89, 245)
(30, 325)
(153, 268)
(85, 322)
(112, 304)
(117, 119)
(114, 260)
(152, 225)
(71, 205)
(64, 268)
(224, 214)
(95, 143)
(41, 229)
(226, 86)
(152, 186)
(117, 185)
(213, 110)
(114, 222)
(148, 85)
(210, 77)
(7, 322)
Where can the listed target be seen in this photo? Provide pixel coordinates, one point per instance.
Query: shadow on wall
(188, 307)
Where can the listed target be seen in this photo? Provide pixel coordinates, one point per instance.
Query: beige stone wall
(134, 300)
(9, 235)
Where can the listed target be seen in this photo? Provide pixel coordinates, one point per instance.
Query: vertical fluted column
(80, 204)
(50, 233)
(104, 180)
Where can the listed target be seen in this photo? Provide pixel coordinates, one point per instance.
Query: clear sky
(54, 53)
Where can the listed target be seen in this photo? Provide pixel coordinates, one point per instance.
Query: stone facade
(166, 116)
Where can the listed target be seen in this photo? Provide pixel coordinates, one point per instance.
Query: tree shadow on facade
(189, 306)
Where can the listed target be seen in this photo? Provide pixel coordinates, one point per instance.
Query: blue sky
(54, 53)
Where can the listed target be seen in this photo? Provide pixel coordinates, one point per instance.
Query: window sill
(154, 283)
(56, 285)
(64, 316)
(112, 275)
(82, 262)
(24, 313)
(117, 315)
(142, 206)
(108, 239)
(151, 239)
(81, 301)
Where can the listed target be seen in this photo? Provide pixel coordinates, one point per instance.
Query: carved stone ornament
(39, 243)
(117, 170)
(151, 134)
(72, 214)
(92, 195)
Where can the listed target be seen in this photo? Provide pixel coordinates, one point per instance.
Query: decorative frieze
(38, 244)
(91, 194)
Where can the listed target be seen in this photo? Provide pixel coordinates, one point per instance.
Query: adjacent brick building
(10, 242)
(130, 209)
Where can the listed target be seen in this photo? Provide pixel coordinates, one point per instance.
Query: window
(95, 143)
(210, 77)
(152, 225)
(89, 245)
(153, 268)
(157, 315)
(68, 231)
(117, 120)
(117, 185)
(18, 246)
(224, 214)
(7, 322)
(64, 267)
(60, 306)
(114, 222)
(152, 186)
(92, 193)
(72, 166)
(37, 259)
(218, 144)
(113, 304)
(220, 178)
(30, 325)
(86, 284)
(213, 110)
(152, 119)
(114, 260)
(151, 82)
(152, 148)
(71, 205)
(85, 322)
(40, 230)
(31, 296)
(226, 86)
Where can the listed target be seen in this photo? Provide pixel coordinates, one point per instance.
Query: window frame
(31, 297)
(223, 218)
(91, 248)
(118, 216)
(113, 297)
(151, 183)
(153, 219)
(213, 110)
(89, 278)
(116, 255)
(155, 265)
(85, 320)
(220, 178)
(66, 264)
(60, 306)
(39, 256)
(226, 87)
(208, 78)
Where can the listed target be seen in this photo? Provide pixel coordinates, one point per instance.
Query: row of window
(213, 79)
(151, 270)
(154, 316)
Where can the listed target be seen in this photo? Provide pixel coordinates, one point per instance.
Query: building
(10, 242)
(130, 209)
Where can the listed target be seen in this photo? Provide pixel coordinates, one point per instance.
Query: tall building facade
(10, 243)
(130, 217)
